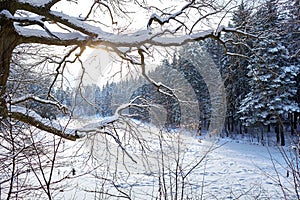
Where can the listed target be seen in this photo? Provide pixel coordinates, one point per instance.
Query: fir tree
(272, 83)
(234, 68)
(103, 100)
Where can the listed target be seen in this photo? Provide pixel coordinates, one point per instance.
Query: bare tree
(50, 38)
(27, 22)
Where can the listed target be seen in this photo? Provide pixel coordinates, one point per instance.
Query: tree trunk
(232, 124)
(277, 133)
(282, 139)
(262, 133)
(9, 39)
(294, 126)
(228, 127)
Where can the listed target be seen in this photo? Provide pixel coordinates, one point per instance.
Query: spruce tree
(272, 83)
(234, 68)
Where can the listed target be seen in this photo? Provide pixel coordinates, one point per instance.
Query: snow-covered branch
(32, 118)
(98, 126)
(74, 23)
(162, 88)
(81, 32)
(42, 37)
(26, 21)
(162, 21)
(40, 100)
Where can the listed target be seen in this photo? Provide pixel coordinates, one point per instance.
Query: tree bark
(294, 124)
(277, 133)
(291, 123)
(9, 39)
(282, 139)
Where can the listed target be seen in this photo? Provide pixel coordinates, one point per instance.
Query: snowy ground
(169, 165)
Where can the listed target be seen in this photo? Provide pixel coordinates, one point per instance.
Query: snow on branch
(135, 39)
(26, 21)
(99, 125)
(33, 20)
(40, 100)
(105, 122)
(162, 21)
(32, 118)
(35, 34)
(162, 88)
(39, 36)
(234, 30)
(85, 34)
(74, 23)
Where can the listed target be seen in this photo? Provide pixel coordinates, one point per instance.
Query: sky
(100, 64)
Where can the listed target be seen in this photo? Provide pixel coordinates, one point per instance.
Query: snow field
(159, 161)
(167, 165)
